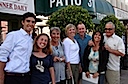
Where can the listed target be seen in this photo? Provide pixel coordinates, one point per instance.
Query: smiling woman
(41, 61)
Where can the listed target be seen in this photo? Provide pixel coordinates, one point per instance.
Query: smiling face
(28, 24)
(71, 32)
(55, 35)
(81, 29)
(42, 41)
(97, 37)
(109, 30)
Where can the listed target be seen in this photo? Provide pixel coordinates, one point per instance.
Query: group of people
(49, 60)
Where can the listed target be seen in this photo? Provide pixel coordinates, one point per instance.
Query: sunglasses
(109, 29)
(30, 21)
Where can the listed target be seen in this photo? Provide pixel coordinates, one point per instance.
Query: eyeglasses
(30, 21)
(109, 29)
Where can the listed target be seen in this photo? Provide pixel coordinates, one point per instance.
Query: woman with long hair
(95, 58)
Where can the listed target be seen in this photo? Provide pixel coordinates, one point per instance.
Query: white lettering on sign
(78, 3)
(65, 2)
(51, 2)
(90, 3)
(59, 2)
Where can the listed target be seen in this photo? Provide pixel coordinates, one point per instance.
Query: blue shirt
(82, 44)
(16, 51)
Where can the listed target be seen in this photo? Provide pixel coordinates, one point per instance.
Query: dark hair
(28, 14)
(47, 49)
(102, 37)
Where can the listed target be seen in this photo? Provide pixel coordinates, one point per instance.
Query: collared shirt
(82, 44)
(71, 51)
(16, 51)
(116, 43)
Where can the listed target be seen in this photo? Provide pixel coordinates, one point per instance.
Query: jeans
(102, 79)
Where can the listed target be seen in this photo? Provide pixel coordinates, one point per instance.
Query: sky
(126, 1)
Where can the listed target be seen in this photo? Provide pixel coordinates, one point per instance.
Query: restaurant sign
(18, 7)
(46, 7)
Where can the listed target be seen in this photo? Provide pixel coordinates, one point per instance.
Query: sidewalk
(124, 76)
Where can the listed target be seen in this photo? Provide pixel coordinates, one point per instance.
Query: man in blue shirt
(15, 53)
(82, 39)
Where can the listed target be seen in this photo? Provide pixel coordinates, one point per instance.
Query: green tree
(70, 14)
(119, 27)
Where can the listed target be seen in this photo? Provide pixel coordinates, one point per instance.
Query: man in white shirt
(15, 53)
(114, 44)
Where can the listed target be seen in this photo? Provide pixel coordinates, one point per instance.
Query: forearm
(68, 66)
(2, 65)
(116, 52)
(52, 75)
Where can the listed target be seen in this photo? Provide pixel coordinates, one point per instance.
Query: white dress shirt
(116, 43)
(16, 51)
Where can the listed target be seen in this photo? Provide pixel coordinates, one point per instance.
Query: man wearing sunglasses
(15, 53)
(114, 44)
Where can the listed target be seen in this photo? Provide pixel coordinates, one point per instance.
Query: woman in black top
(95, 58)
(41, 62)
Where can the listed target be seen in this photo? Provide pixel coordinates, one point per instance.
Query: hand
(91, 43)
(56, 59)
(39, 66)
(80, 69)
(71, 74)
(107, 47)
(87, 74)
(62, 59)
(95, 75)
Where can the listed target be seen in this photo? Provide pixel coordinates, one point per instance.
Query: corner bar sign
(18, 7)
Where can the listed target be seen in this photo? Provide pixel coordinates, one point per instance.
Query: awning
(46, 7)
(104, 7)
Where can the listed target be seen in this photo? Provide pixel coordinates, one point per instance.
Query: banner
(18, 7)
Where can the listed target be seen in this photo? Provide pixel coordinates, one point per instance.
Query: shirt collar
(78, 36)
(24, 32)
(111, 36)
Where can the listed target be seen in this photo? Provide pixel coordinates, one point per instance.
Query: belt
(16, 74)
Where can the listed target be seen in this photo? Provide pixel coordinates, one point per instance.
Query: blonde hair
(47, 49)
(68, 27)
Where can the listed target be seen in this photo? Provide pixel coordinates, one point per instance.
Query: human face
(97, 37)
(28, 24)
(81, 29)
(55, 35)
(71, 32)
(109, 30)
(42, 41)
